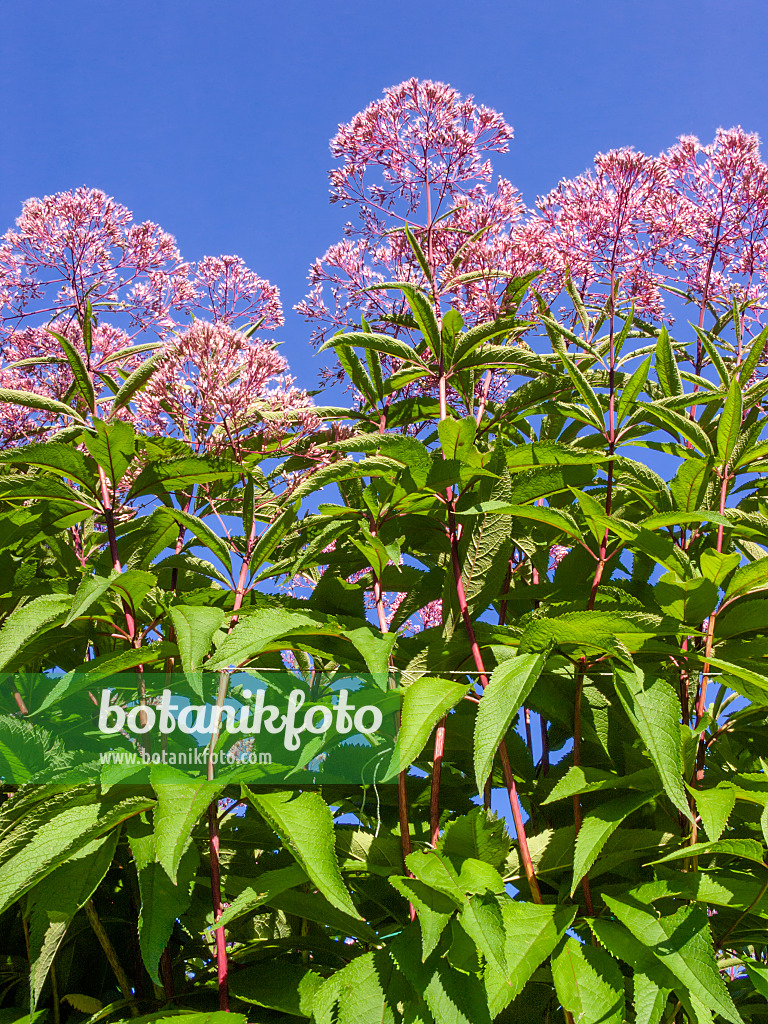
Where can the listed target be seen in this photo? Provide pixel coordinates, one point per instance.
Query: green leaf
(596, 829)
(136, 381)
(716, 566)
(91, 588)
(202, 532)
(654, 710)
(510, 684)
(479, 834)
(195, 627)
(632, 388)
(666, 366)
(376, 649)
(729, 424)
(33, 401)
(754, 356)
(305, 824)
(683, 944)
(278, 985)
(481, 919)
(434, 909)
(360, 992)
(380, 342)
(453, 997)
(746, 849)
(531, 934)
(256, 632)
(79, 370)
(583, 387)
(589, 983)
(180, 803)
(162, 900)
(55, 901)
(40, 843)
(753, 576)
(457, 437)
(265, 888)
(113, 447)
(425, 702)
(39, 614)
(652, 981)
(715, 806)
(61, 459)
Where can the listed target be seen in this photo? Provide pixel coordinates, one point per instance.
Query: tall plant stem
(114, 961)
(402, 784)
(222, 964)
(509, 779)
(596, 580)
(701, 698)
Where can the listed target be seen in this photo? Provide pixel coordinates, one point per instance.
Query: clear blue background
(212, 117)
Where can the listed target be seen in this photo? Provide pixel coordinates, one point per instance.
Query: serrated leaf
(596, 829)
(305, 824)
(689, 956)
(715, 806)
(29, 620)
(425, 702)
(510, 684)
(195, 627)
(180, 803)
(654, 710)
(162, 900)
(729, 424)
(55, 901)
(589, 983)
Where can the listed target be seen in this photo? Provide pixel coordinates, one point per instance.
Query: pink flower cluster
(693, 220)
(214, 383)
(418, 156)
(77, 263)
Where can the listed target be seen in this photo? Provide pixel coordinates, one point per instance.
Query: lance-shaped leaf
(195, 627)
(589, 983)
(135, 382)
(380, 342)
(27, 855)
(26, 622)
(531, 934)
(435, 909)
(666, 366)
(632, 389)
(715, 806)
(265, 888)
(654, 710)
(683, 944)
(729, 424)
(113, 447)
(754, 357)
(652, 982)
(452, 996)
(425, 702)
(457, 437)
(305, 824)
(91, 588)
(598, 826)
(510, 684)
(33, 401)
(80, 372)
(61, 459)
(583, 387)
(180, 803)
(278, 985)
(162, 900)
(54, 902)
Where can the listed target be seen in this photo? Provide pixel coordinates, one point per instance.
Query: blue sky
(213, 118)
